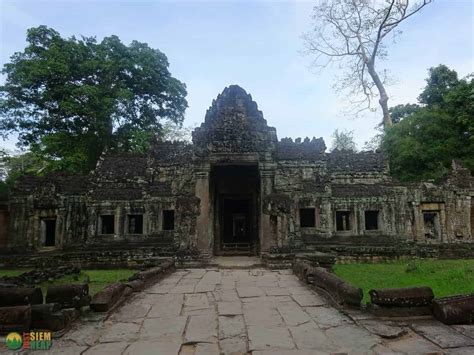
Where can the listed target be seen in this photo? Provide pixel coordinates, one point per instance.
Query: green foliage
(445, 277)
(343, 140)
(440, 80)
(21, 164)
(69, 99)
(400, 112)
(427, 138)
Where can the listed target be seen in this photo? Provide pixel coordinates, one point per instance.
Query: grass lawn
(98, 279)
(445, 277)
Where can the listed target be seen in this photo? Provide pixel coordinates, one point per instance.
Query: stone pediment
(234, 124)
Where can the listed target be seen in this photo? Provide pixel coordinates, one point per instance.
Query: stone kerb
(337, 289)
(22, 308)
(394, 302)
(401, 302)
(115, 294)
(454, 309)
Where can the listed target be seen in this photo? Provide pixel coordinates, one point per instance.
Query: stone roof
(359, 190)
(171, 153)
(51, 184)
(121, 167)
(233, 124)
(307, 149)
(341, 161)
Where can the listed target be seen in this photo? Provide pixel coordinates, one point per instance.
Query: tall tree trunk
(383, 101)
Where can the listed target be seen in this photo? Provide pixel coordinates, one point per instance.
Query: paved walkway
(253, 311)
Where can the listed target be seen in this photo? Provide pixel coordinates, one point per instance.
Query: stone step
(236, 262)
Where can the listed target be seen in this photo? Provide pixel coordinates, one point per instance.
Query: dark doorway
(168, 220)
(49, 230)
(236, 220)
(235, 193)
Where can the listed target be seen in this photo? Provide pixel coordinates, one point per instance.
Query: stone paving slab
(161, 328)
(107, 348)
(256, 311)
(266, 338)
(442, 335)
(201, 329)
(229, 308)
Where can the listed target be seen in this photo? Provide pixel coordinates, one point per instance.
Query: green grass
(98, 279)
(445, 277)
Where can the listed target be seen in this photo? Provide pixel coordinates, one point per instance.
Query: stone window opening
(371, 220)
(431, 225)
(168, 220)
(135, 224)
(307, 217)
(107, 224)
(343, 221)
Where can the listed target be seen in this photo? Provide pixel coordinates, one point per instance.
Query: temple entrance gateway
(235, 191)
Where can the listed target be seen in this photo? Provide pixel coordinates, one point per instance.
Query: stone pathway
(203, 311)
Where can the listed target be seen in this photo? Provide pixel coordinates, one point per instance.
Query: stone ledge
(337, 289)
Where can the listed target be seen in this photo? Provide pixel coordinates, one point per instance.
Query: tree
(400, 112)
(70, 99)
(440, 80)
(354, 33)
(343, 140)
(424, 143)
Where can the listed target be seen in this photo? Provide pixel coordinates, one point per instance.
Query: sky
(257, 45)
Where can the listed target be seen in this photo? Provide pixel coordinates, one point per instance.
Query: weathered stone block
(455, 309)
(104, 300)
(402, 297)
(69, 296)
(18, 296)
(388, 311)
(340, 291)
(301, 269)
(41, 313)
(17, 318)
(136, 285)
(349, 294)
(58, 320)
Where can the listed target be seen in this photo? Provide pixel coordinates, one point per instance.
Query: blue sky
(257, 45)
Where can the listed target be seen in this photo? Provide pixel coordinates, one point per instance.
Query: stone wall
(167, 200)
(4, 223)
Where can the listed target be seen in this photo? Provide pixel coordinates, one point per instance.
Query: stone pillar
(443, 226)
(204, 220)
(418, 228)
(267, 237)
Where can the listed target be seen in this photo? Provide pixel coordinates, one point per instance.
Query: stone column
(418, 228)
(443, 226)
(267, 238)
(204, 220)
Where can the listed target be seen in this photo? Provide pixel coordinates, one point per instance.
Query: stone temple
(237, 189)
